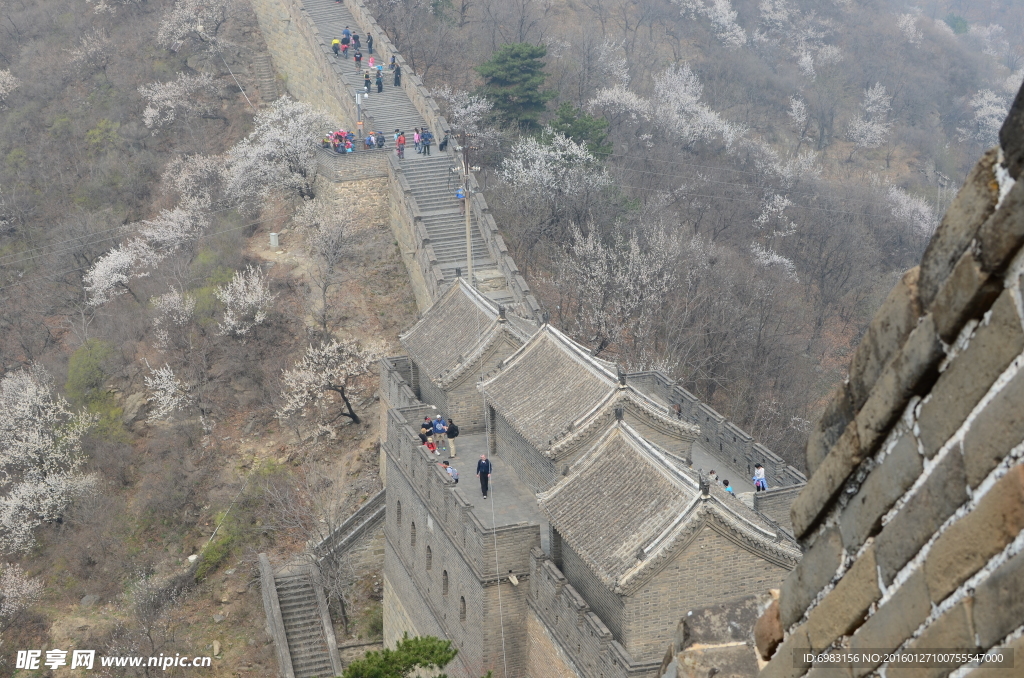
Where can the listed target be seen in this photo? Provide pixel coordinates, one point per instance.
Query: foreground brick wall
(912, 519)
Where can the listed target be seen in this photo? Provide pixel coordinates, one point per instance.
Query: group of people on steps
(349, 41)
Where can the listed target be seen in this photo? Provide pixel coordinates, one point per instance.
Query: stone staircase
(308, 644)
(433, 184)
(265, 78)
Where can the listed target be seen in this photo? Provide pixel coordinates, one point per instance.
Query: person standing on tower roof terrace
(450, 470)
(760, 482)
(440, 431)
(483, 472)
(451, 433)
(727, 487)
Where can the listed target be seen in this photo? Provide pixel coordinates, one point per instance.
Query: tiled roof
(624, 507)
(617, 500)
(547, 384)
(455, 327)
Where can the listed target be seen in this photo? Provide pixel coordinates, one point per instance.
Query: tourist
(425, 432)
(713, 477)
(416, 139)
(426, 138)
(760, 482)
(728, 488)
(366, 82)
(369, 62)
(369, 43)
(369, 142)
(401, 145)
(379, 81)
(460, 195)
(440, 430)
(347, 32)
(393, 64)
(451, 433)
(355, 40)
(450, 470)
(358, 56)
(336, 46)
(398, 75)
(380, 139)
(483, 472)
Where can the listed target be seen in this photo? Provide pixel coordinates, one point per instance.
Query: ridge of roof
(494, 332)
(487, 306)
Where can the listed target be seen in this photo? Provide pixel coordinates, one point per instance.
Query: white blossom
(721, 16)
(907, 26)
(871, 130)
(992, 39)
(167, 393)
(464, 111)
(554, 165)
(797, 112)
(806, 64)
(201, 16)
(990, 111)
(773, 216)
(40, 456)
(167, 99)
(679, 108)
(768, 258)
(111, 273)
(246, 300)
(193, 176)
(173, 308)
(912, 211)
(1013, 82)
(618, 100)
(280, 152)
(17, 591)
(8, 83)
(333, 368)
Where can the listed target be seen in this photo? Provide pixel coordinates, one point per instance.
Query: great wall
(906, 534)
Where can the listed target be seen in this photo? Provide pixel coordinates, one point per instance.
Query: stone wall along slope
(911, 520)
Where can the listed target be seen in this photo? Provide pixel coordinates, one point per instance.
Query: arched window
(430, 558)
(412, 535)
(398, 515)
(462, 608)
(444, 583)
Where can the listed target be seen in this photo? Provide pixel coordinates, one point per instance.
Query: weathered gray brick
(880, 490)
(1002, 233)
(815, 570)
(999, 602)
(995, 431)
(893, 622)
(936, 500)
(995, 344)
(951, 631)
(966, 294)
(845, 606)
(972, 205)
(885, 336)
(838, 413)
(817, 494)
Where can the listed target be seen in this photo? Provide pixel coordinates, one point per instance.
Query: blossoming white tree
(246, 299)
(111, 273)
(40, 456)
(721, 16)
(870, 130)
(8, 83)
(166, 100)
(187, 16)
(989, 113)
(912, 211)
(167, 393)
(17, 592)
(332, 369)
(280, 152)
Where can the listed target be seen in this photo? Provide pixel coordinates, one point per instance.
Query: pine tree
(513, 77)
(583, 128)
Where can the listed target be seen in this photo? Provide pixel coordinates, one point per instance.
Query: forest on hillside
(723, 190)
(754, 177)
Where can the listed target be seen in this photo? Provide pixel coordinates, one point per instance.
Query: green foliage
(957, 23)
(426, 652)
(61, 127)
(375, 622)
(103, 135)
(512, 83)
(87, 370)
(16, 159)
(86, 373)
(583, 128)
